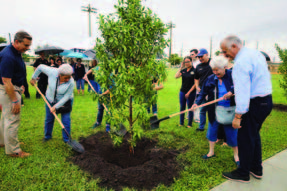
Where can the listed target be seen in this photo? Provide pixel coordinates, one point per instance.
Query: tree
(283, 68)
(217, 53)
(131, 39)
(2, 40)
(174, 59)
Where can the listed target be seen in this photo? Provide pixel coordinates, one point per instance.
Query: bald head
(230, 46)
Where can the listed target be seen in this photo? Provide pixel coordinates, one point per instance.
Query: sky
(62, 23)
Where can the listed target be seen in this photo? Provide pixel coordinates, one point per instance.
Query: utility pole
(10, 38)
(210, 47)
(90, 10)
(170, 26)
(257, 45)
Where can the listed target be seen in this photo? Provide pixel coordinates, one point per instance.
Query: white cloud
(62, 23)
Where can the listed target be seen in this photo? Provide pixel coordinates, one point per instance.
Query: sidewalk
(274, 177)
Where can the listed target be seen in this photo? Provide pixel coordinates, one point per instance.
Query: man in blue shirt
(253, 89)
(12, 76)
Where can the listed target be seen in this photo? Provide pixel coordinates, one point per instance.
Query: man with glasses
(12, 76)
(202, 71)
(195, 60)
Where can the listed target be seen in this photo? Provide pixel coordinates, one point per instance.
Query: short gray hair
(219, 62)
(231, 40)
(20, 35)
(65, 70)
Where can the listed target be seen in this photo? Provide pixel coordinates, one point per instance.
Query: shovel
(123, 129)
(76, 146)
(154, 122)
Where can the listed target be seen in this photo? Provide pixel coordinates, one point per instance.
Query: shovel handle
(57, 118)
(96, 93)
(206, 104)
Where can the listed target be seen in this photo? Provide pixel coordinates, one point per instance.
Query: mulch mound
(116, 167)
(280, 107)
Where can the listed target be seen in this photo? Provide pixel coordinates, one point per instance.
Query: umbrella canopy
(76, 55)
(66, 52)
(266, 56)
(90, 53)
(49, 50)
(3, 45)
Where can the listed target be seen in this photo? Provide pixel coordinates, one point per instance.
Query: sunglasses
(199, 56)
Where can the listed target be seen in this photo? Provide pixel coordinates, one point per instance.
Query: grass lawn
(47, 168)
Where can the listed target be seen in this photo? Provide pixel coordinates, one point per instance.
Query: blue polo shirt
(12, 66)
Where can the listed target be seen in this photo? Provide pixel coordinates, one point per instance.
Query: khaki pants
(9, 122)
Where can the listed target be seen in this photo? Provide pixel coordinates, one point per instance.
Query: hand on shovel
(53, 109)
(33, 82)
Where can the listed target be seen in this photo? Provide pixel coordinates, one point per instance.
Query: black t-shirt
(43, 77)
(187, 80)
(91, 76)
(79, 71)
(202, 71)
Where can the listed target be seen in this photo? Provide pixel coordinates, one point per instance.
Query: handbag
(224, 115)
(67, 107)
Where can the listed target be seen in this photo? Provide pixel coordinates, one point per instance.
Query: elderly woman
(59, 93)
(221, 84)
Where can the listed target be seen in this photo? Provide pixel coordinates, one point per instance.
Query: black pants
(43, 87)
(249, 142)
(221, 133)
(26, 93)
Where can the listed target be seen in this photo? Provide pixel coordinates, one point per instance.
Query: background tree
(131, 39)
(283, 68)
(2, 40)
(174, 59)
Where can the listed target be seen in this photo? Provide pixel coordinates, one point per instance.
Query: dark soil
(148, 167)
(280, 107)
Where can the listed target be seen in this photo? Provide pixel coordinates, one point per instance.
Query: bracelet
(15, 101)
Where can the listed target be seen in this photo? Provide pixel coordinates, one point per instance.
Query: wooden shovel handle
(54, 113)
(206, 104)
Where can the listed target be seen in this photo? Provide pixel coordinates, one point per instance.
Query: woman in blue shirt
(220, 84)
(60, 90)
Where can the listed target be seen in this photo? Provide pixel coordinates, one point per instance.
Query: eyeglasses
(192, 54)
(199, 56)
(187, 62)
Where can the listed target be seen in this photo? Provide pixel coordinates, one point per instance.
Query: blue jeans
(80, 84)
(154, 109)
(49, 124)
(101, 115)
(189, 102)
(202, 115)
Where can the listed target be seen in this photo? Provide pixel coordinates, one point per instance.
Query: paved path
(274, 177)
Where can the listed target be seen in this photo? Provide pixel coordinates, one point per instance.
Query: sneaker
(21, 154)
(108, 128)
(198, 129)
(44, 140)
(96, 125)
(256, 174)
(234, 175)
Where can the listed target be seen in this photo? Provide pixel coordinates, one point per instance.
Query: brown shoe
(20, 154)
(2, 145)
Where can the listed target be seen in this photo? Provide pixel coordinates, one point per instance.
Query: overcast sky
(62, 23)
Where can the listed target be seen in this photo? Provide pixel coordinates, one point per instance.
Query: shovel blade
(154, 125)
(122, 130)
(76, 146)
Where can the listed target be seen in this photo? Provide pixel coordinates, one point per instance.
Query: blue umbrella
(66, 52)
(76, 55)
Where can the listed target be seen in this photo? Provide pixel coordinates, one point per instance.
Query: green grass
(47, 168)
